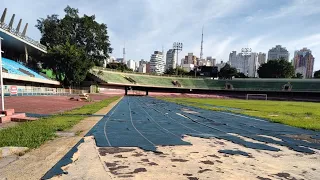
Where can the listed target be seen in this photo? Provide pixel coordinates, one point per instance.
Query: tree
(118, 66)
(240, 75)
(317, 74)
(227, 72)
(70, 63)
(276, 69)
(172, 71)
(298, 76)
(83, 35)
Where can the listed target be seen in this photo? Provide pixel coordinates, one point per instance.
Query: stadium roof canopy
(14, 39)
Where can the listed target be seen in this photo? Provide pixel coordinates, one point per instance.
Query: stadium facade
(18, 49)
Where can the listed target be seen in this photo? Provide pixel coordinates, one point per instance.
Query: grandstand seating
(202, 83)
(13, 67)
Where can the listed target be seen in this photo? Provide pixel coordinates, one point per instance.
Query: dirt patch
(204, 170)
(193, 178)
(153, 164)
(110, 164)
(118, 167)
(179, 160)
(137, 154)
(215, 156)
(145, 160)
(120, 156)
(208, 162)
(262, 178)
(284, 175)
(113, 150)
(138, 170)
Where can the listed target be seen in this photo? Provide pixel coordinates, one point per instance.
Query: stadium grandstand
(110, 79)
(17, 50)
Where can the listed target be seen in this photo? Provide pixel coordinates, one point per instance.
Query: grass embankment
(298, 114)
(33, 134)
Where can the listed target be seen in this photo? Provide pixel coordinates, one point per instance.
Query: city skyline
(228, 25)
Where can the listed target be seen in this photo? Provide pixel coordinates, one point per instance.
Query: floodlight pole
(1, 78)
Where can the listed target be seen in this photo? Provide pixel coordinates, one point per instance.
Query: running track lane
(147, 122)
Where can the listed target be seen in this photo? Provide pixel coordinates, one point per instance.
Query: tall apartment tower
(157, 64)
(278, 52)
(171, 59)
(304, 62)
(190, 59)
(262, 58)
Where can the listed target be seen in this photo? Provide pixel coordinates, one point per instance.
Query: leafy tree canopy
(176, 71)
(276, 69)
(317, 74)
(227, 72)
(118, 66)
(85, 37)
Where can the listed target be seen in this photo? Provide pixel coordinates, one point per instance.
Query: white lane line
(158, 123)
(166, 114)
(135, 126)
(243, 116)
(104, 128)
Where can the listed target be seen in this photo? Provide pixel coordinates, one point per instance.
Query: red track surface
(46, 104)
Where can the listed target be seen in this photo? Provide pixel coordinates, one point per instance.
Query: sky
(148, 25)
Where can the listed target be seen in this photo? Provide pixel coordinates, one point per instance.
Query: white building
(278, 52)
(262, 58)
(157, 64)
(188, 67)
(131, 64)
(211, 61)
(142, 68)
(246, 64)
(171, 62)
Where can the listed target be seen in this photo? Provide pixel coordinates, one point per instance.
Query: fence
(12, 90)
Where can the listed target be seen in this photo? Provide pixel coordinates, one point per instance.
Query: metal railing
(26, 38)
(12, 90)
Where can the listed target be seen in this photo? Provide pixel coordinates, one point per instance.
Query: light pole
(1, 77)
(177, 46)
(246, 52)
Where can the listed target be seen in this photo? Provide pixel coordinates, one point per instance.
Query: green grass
(298, 114)
(33, 134)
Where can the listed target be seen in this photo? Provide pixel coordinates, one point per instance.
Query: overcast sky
(147, 25)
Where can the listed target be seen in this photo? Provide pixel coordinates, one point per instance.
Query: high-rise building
(171, 59)
(304, 62)
(142, 68)
(142, 61)
(262, 57)
(190, 59)
(131, 64)
(278, 52)
(246, 64)
(157, 64)
(211, 61)
(148, 67)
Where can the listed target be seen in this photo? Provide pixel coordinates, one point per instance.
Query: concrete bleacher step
(23, 119)
(5, 119)
(7, 112)
(8, 115)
